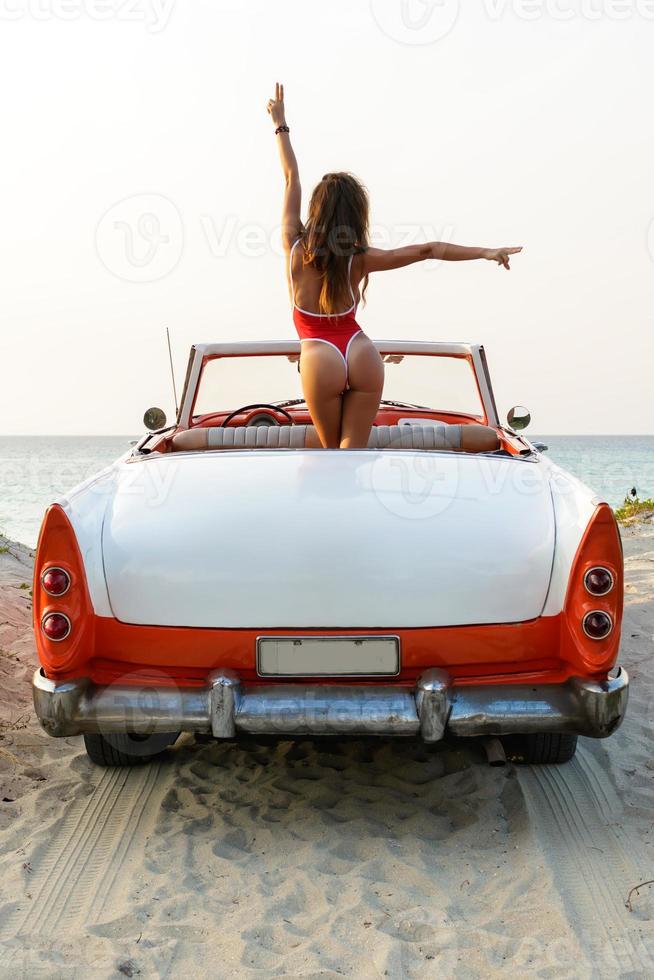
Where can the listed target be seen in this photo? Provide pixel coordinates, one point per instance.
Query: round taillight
(597, 624)
(56, 626)
(55, 581)
(598, 581)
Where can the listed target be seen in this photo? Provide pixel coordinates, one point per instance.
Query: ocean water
(36, 469)
(611, 465)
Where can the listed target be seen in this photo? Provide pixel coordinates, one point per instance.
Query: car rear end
(329, 594)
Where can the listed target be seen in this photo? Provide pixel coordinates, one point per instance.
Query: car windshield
(435, 382)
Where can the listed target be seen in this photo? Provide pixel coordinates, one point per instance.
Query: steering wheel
(273, 410)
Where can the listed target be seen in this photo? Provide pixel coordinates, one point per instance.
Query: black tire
(541, 749)
(127, 749)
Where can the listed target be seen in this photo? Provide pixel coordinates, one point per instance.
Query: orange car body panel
(549, 649)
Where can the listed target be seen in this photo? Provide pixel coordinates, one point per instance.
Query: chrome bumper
(433, 709)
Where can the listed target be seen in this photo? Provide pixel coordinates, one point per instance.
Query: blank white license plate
(328, 656)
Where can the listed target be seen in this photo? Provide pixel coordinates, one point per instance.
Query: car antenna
(172, 372)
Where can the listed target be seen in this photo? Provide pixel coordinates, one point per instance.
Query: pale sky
(489, 123)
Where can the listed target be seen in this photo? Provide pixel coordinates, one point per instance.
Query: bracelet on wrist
(282, 129)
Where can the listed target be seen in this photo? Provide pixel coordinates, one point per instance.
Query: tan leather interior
(462, 438)
(258, 437)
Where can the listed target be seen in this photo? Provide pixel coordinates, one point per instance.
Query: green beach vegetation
(633, 509)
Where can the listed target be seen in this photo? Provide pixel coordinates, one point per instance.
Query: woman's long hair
(336, 228)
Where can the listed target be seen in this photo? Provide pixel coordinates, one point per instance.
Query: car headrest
(467, 438)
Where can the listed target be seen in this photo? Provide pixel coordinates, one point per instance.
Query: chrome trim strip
(434, 708)
(480, 365)
(236, 347)
(187, 377)
(190, 386)
(327, 709)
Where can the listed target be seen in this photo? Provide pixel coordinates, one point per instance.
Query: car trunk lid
(328, 540)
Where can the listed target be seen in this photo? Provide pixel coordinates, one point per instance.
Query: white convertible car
(447, 581)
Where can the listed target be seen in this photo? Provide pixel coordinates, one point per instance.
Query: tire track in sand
(88, 850)
(576, 814)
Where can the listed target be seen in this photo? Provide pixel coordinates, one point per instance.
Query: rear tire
(540, 749)
(126, 748)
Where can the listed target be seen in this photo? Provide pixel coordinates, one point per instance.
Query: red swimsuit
(338, 330)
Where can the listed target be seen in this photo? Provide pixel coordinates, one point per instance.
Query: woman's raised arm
(382, 259)
(291, 223)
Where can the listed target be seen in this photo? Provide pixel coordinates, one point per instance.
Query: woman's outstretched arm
(291, 223)
(382, 259)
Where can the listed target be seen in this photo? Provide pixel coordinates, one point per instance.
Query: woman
(328, 258)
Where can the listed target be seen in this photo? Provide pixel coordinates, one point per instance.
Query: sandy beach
(325, 859)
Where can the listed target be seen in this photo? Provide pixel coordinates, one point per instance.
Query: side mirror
(154, 418)
(518, 417)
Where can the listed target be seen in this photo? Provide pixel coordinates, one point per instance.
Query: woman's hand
(291, 223)
(276, 106)
(501, 255)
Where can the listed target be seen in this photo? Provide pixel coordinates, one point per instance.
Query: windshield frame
(201, 354)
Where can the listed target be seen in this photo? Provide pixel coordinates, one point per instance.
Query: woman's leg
(361, 401)
(323, 378)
